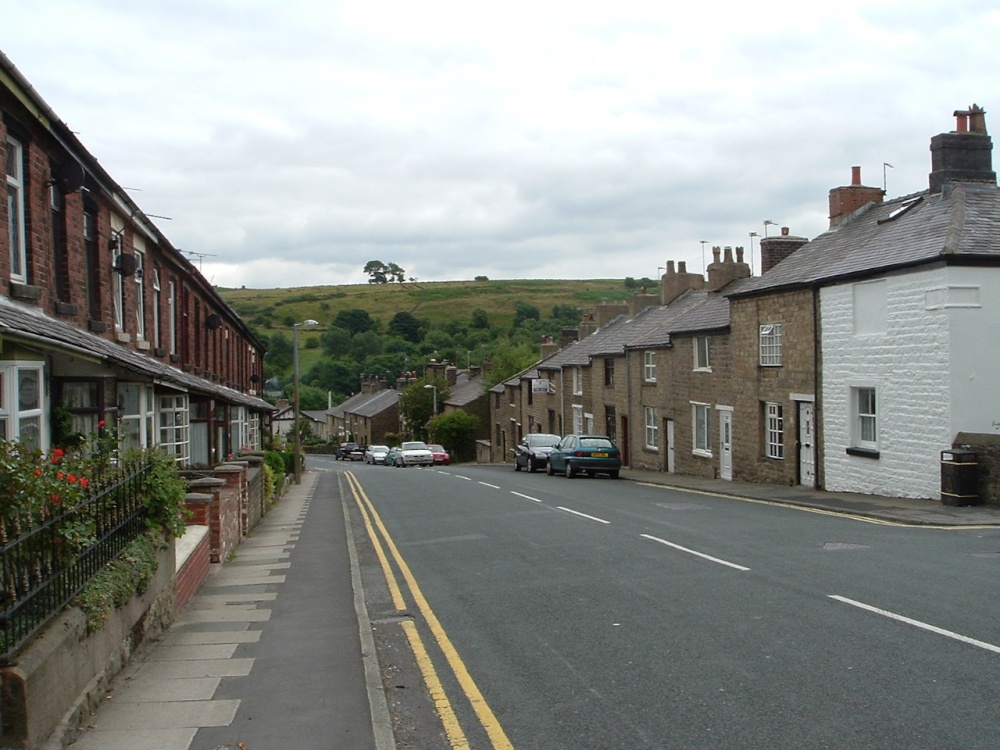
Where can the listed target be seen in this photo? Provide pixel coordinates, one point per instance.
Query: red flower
(38, 472)
(60, 475)
(59, 452)
(84, 483)
(72, 478)
(100, 424)
(54, 499)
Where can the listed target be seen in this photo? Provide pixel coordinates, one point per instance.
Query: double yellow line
(484, 713)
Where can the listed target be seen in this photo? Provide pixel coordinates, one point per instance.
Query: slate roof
(31, 324)
(375, 403)
(912, 230)
(466, 390)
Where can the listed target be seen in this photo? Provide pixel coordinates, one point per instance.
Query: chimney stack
(964, 155)
(844, 201)
(724, 272)
(773, 250)
(674, 283)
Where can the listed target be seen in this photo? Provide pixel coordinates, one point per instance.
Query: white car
(414, 453)
(375, 454)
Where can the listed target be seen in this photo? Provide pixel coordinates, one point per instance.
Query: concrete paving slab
(200, 637)
(143, 690)
(186, 652)
(182, 670)
(239, 568)
(161, 739)
(226, 615)
(182, 714)
(204, 601)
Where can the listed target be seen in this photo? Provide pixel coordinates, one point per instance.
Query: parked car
(532, 452)
(346, 451)
(390, 456)
(413, 453)
(375, 454)
(590, 454)
(439, 454)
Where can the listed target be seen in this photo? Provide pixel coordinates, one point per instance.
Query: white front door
(807, 448)
(725, 444)
(670, 445)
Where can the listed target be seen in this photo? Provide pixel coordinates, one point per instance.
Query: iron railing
(45, 562)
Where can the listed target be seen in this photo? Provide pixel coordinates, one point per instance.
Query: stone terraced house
(849, 364)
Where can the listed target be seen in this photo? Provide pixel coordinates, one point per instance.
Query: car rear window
(596, 444)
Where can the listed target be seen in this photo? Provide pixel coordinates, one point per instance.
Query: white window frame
(652, 428)
(140, 291)
(172, 315)
(649, 366)
(174, 421)
(701, 429)
(577, 373)
(14, 417)
(770, 345)
(138, 420)
(864, 417)
(701, 354)
(157, 299)
(16, 218)
(253, 432)
(577, 418)
(774, 430)
(238, 428)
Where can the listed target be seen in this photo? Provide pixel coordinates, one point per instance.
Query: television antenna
(199, 256)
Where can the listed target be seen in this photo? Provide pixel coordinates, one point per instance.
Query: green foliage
(479, 318)
(270, 485)
(343, 377)
(383, 273)
(163, 494)
(279, 351)
(114, 586)
(336, 341)
(416, 404)
(311, 397)
(566, 315)
(523, 311)
(509, 358)
(355, 320)
(277, 462)
(456, 431)
(407, 326)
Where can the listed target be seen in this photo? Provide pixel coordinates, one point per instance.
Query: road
(601, 614)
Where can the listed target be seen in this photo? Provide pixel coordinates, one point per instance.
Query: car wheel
(569, 470)
(549, 470)
(531, 466)
(517, 466)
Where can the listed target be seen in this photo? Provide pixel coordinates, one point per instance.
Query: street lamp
(434, 388)
(295, 408)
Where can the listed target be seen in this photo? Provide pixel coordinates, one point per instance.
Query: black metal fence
(46, 558)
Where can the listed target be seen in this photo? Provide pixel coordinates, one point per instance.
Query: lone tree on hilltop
(384, 273)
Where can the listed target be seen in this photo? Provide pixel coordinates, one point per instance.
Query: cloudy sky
(292, 141)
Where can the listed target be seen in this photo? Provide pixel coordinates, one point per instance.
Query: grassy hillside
(437, 301)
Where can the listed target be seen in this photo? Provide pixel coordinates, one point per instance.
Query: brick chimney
(773, 250)
(965, 155)
(722, 273)
(639, 302)
(451, 374)
(605, 312)
(846, 200)
(674, 283)
(587, 326)
(549, 347)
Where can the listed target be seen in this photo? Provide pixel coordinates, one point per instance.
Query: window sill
(702, 453)
(863, 452)
(703, 369)
(25, 292)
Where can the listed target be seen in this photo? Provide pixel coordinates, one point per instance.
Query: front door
(623, 445)
(668, 430)
(807, 447)
(725, 444)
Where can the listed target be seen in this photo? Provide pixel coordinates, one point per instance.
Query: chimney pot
(784, 231)
(855, 175)
(670, 268)
(682, 266)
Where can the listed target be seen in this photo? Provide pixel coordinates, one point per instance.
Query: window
(770, 345)
(652, 429)
(701, 429)
(21, 404)
(175, 430)
(610, 419)
(577, 381)
(577, 418)
(118, 281)
(137, 415)
(15, 211)
(172, 319)
(775, 430)
(701, 353)
(157, 301)
(60, 259)
(649, 367)
(140, 293)
(239, 432)
(865, 418)
(92, 261)
(609, 371)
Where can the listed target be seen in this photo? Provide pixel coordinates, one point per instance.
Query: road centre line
(526, 497)
(582, 515)
(467, 479)
(693, 552)
(487, 484)
(918, 624)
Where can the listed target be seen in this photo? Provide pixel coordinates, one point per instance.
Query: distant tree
(383, 273)
(482, 278)
(279, 352)
(365, 344)
(523, 311)
(565, 314)
(456, 431)
(356, 320)
(479, 318)
(336, 341)
(508, 358)
(337, 375)
(407, 326)
(416, 404)
(397, 274)
(311, 397)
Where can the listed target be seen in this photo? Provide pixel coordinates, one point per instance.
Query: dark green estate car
(585, 454)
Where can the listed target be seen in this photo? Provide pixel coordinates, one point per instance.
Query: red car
(439, 454)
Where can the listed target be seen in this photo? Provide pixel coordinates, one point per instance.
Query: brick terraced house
(101, 318)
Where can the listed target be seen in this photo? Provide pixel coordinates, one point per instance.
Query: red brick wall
(192, 573)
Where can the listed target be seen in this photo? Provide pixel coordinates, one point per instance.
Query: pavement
(192, 689)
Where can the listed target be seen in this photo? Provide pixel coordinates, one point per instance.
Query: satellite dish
(213, 322)
(71, 176)
(126, 264)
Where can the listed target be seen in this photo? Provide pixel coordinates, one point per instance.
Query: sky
(286, 143)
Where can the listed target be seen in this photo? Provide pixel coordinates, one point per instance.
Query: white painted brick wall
(909, 365)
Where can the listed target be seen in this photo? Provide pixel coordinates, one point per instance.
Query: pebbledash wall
(932, 380)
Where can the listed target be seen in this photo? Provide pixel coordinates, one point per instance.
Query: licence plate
(599, 455)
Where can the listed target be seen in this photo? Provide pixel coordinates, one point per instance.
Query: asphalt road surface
(524, 611)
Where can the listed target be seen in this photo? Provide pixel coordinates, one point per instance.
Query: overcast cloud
(292, 141)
